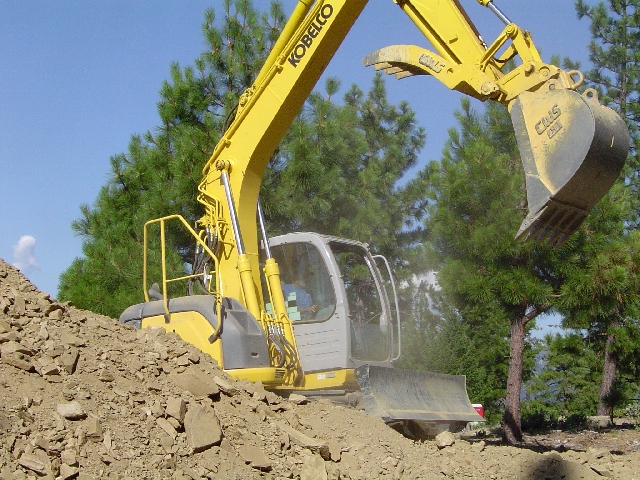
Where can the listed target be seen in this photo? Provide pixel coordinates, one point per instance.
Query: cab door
(309, 284)
(337, 301)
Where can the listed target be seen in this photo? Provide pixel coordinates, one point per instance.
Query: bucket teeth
(553, 224)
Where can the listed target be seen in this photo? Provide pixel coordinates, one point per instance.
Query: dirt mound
(82, 396)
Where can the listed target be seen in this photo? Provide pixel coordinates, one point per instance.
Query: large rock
(176, 408)
(313, 468)
(202, 428)
(71, 411)
(305, 441)
(195, 383)
(255, 457)
(445, 439)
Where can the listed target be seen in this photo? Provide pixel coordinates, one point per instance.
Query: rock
(166, 441)
(71, 411)
(597, 453)
(5, 423)
(601, 470)
(56, 315)
(106, 440)
(313, 468)
(226, 387)
(312, 422)
(297, 399)
(194, 357)
(478, 446)
(46, 367)
(11, 336)
(4, 326)
(93, 428)
(202, 428)
(259, 393)
(167, 427)
(598, 421)
(68, 457)
(255, 457)
(305, 441)
(33, 463)
(67, 471)
(19, 305)
(176, 408)
(445, 439)
(105, 376)
(12, 347)
(154, 387)
(335, 451)
(43, 333)
(69, 339)
(196, 384)
(18, 360)
(69, 359)
(273, 398)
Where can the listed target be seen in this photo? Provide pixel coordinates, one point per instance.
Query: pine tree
(160, 172)
(600, 269)
(337, 170)
(601, 294)
(567, 383)
(493, 281)
(614, 52)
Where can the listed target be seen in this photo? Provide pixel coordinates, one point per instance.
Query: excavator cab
(354, 329)
(338, 302)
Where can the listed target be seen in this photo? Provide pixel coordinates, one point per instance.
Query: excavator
(315, 314)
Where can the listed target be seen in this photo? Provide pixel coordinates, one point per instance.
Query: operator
(304, 302)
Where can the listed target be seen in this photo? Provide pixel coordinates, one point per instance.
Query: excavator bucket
(395, 394)
(573, 150)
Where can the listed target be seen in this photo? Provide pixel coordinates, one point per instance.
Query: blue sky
(78, 78)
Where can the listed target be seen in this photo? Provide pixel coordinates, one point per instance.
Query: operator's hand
(311, 309)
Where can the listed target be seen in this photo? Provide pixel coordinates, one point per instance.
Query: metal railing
(213, 273)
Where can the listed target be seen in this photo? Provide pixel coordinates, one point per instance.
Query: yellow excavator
(315, 314)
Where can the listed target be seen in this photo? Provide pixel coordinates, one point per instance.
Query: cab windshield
(305, 282)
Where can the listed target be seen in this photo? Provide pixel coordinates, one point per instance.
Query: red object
(479, 408)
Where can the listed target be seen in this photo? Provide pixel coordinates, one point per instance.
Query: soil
(82, 396)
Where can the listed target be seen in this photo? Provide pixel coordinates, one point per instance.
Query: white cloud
(24, 255)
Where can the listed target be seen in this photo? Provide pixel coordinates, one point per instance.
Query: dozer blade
(573, 150)
(396, 394)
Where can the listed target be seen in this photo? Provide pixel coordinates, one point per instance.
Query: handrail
(395, 300)
(199, 241)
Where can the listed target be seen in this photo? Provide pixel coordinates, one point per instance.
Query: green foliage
(632, 411)
(599, 273)
(537, 419)
(614, 51)
(568, 381)
(336, 171)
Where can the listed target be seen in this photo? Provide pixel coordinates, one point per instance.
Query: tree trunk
(512, 424)
(608, 377)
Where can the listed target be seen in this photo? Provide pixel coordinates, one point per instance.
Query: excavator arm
(572, 148)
